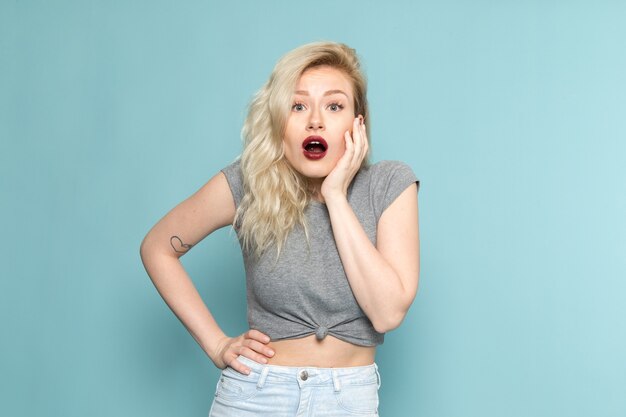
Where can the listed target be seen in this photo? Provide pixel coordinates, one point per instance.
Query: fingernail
(271, 353)
(263, 360)
(246, 371)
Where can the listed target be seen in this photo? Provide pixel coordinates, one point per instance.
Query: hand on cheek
(337, 182)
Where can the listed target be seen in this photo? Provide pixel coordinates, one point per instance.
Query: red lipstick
(314, 147)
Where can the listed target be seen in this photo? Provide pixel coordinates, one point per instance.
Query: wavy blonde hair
(275, 194)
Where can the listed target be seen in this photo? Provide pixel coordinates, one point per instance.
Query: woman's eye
(298, 107)
(335, 107)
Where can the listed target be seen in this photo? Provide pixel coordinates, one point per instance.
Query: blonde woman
(330, 245)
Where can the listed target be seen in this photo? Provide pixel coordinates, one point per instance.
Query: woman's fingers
(257, 341)
(360, 142)
(349, 153)
(258, 347)
(239, 367)
(252, 354)
(365, 142)
(256, 335)
(252, 344)
(249, 353)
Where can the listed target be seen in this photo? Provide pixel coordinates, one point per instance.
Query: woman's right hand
(252, 344)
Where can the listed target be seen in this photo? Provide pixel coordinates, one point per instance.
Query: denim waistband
(307, 375)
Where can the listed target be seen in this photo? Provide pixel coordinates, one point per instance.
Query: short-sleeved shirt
(305, 290)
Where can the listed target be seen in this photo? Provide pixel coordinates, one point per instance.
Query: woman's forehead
(324, 80)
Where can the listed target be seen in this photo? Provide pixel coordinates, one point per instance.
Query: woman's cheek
(340, 150)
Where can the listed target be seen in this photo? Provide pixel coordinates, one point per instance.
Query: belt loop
(336, 383)
(263, 377)
(377, 374)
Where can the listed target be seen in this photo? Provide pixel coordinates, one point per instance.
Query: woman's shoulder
(234, 165)
(390, 165)
(233, 175)
(387, 170)
(382, 182)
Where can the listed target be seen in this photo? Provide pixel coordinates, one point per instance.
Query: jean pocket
(358, 399)
(235, 387)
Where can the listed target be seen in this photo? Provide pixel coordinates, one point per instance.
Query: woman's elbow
(389, 321)
(148, 250)
(144, 248)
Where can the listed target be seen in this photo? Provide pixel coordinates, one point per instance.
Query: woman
(330, 246)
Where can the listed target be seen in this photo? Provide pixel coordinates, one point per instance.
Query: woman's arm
(383, 278)
(209, 209)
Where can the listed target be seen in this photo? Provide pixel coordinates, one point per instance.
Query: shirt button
(304, 375)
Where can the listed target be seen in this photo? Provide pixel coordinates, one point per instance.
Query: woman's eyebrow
(328, 93)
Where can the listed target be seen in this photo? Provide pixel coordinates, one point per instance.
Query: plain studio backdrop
(512, 114)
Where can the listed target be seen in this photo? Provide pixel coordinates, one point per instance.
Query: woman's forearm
(178, 291)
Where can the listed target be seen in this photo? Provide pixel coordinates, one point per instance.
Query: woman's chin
(315, 175)
(317, 170)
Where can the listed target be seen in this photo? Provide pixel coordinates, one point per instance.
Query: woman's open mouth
(314, 147)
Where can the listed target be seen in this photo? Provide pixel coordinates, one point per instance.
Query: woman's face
(322, 111)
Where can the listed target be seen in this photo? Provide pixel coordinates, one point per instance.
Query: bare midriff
(329, 352)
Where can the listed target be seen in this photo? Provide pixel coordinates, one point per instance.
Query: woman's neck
(315, 189)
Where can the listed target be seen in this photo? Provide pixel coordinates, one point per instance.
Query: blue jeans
(283, 391)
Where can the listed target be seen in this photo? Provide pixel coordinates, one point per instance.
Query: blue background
(511, 113)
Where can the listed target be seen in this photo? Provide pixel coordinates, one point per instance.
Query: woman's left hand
(337, 182)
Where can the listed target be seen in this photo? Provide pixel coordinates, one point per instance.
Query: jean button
(304, 375)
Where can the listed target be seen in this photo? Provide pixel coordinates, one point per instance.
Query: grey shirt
(306, 290)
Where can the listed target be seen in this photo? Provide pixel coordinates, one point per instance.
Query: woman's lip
(314, 155)
(314, 139)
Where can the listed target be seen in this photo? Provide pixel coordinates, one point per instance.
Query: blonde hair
(275, 194)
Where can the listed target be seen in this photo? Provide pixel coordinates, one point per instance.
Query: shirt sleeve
(389, 180)
(235, 180)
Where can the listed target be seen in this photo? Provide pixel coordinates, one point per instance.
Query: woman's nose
(315, 121)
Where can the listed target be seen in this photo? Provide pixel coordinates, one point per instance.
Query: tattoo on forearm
(178, 245)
